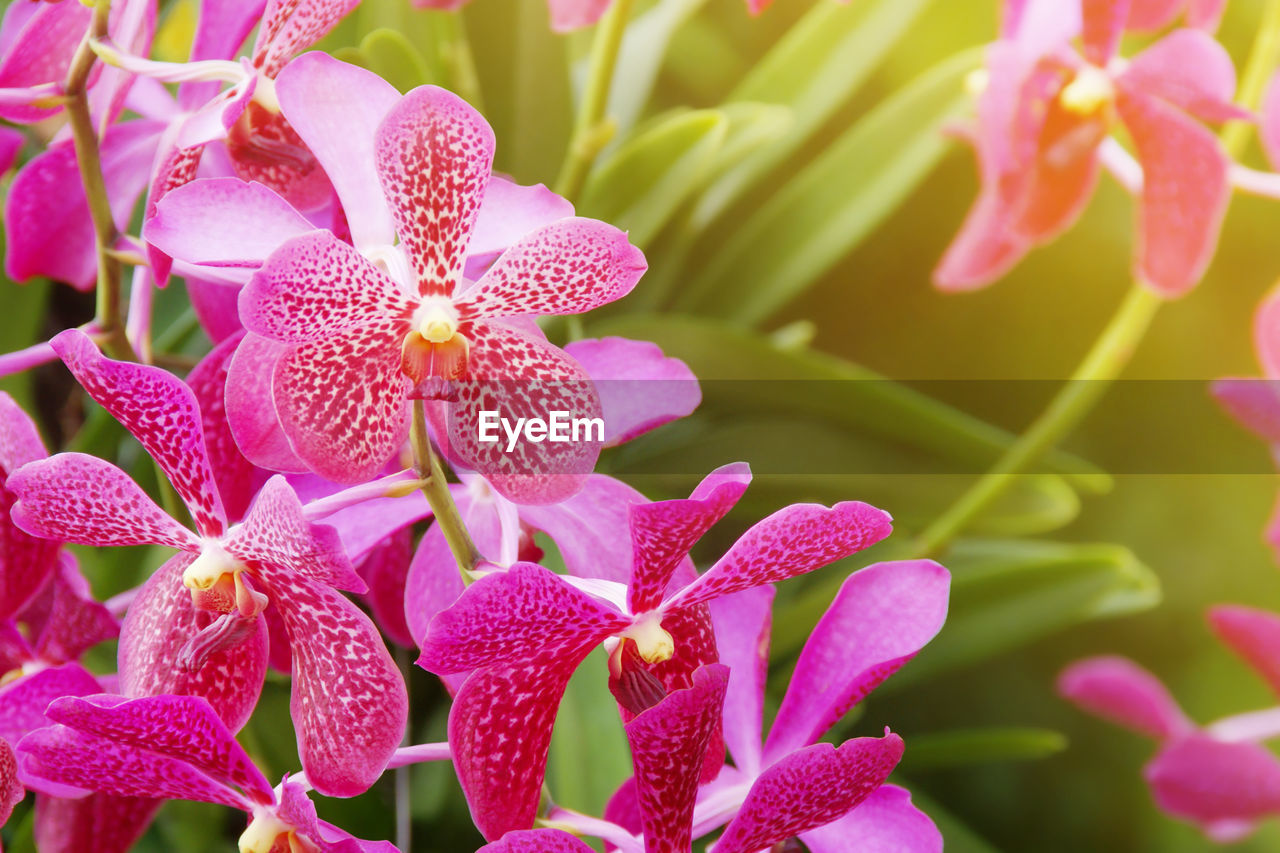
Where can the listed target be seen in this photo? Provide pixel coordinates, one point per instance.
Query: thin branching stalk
(436, 490)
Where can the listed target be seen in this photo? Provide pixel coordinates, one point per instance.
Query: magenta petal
(316, 286)
(160, 622)
(1190, 69)
(1124, 693)
(23, 701)
(335, 107)
(26, 562)
(569, 15)
(182, 727)
(220, 32)
(792, 541)
(41, 52)
(510, 211)
(536, 841)
(808, 789)
(591, 528)
(11, 790)
(1184, 193)
(161, 412)
(1253, 403)
(884, 821)
(342, 401)
(882, 616)
(291, 26)
(499, 732)
(11, 142)
(640, 388)
(1104, 22)
(1151, 15)
(66, 620)
(663, 532)
(276, 534)
(79, 498)
(234, 474)
(668, 742)
(1252, 634)
(222, 222)
(102, 823)
(349, 703)
(434, 155)
(567, 267)
(385, 571)
(511, 615)
(57, 756)
(742, 622)
(1206, 780)
(250, 406)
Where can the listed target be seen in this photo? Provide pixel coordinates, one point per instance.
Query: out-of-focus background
(1198, 533)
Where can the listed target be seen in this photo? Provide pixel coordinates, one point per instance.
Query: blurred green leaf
(1007, 593)
(962, 747)
(647, 179)
(814, 220)
(957, 837)
(393, 57)
(852, 397)
(643, 48)
(589, 756)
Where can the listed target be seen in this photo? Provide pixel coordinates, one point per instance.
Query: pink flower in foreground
(1218, 776)
(349, 703)
(522, 632)
(365, 340)
(174, 747)
(1042, 121)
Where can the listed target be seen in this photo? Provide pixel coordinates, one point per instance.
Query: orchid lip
(209, 567)
(263, 830)
(1089, 91)
(653, 642)
(436, 320)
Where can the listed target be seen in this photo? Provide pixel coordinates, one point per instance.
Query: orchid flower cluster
(370, 287)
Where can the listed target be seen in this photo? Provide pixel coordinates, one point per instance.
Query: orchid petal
(26, 562)
(1184, 193)
(1252, 634)
(349, 703)
(569, 15)
(251, 411)
(790, 542)
(24, 700)
(1152, 15)
(11, 790)
(160, 623)
(316, 286)
(510, 615)
(234, 474)
(742, 623)
(567, 267)
(434, 155)
(66, 620)
(220, 32)
(78, 498)
(536, 841)
(808, 789)
(103, 823)
(215, 306)
(884, 822)
(290, 26)
(161, 412)
(1104, 22)
(333, 105)
(881, 617)
(1123, 693)
(1253, 403)
(591, 529)
(385, 571)
(41, 52)
(509, 212)
(11, 142)
(1191, 70)
(341, 401)
(663, 532)
(640, 388)
(1207, 780)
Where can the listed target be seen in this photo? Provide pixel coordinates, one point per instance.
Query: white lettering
(513, 435)
(488, 423)
(558, 427)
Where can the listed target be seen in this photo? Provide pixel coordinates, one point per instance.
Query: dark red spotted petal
(667, 744)
(11, 790)
(161, 412)
(103, 823)
(808, 789)
(235, 475)
(536, 841)
(160, 623)
(291, 26)
(434, 155)
(26, 562)
(792, 541)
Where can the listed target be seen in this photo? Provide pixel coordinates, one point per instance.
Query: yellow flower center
(1090, 91)
(653, 643)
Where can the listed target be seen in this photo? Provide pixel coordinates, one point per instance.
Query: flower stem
(1263, 58)
(109, 321)
(436, 490)
(592, 131)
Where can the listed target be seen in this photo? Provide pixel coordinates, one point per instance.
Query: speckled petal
(26, 562)
(881, 617)
(235, 475)
(341, 401)
(567, 267)
(349, 704)
(536, 841)
(11, 790)
(102, 823)
(160, 622)
(512, 615)
(250, 406)
(80, 498)
(667, 744)
(808, 789)
(1124, 693)
(742, 622)
(663, 532)
(510, 211)
(884, 822)
(161, 412)
(291, 26)
(792, 541)
(591, 528)
(65, 620)
(434, 156)
(23, 700)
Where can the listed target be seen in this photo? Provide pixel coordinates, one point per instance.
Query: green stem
(1263, 58)
(88, 157)
(592, 131)
(436, 490)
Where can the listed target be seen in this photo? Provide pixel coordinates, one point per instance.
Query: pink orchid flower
(373, 338)
(831, 797)
(174, 747)
(349, 702)
(26, 562)
(1218, 776)
(522, 632)
(1044, 120)
(536, 841)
